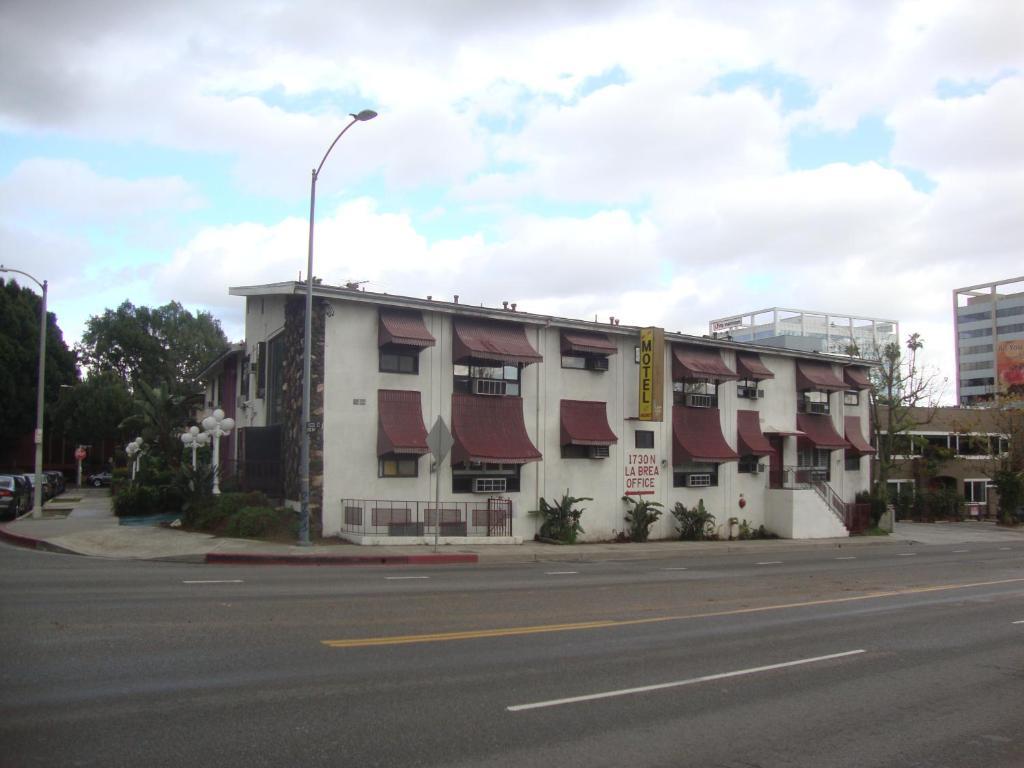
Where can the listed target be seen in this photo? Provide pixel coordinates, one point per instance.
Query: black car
(15, 497)
(99, 479)
(57, 479)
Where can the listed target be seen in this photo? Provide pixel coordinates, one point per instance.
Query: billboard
(1010, 367)
(650, 405)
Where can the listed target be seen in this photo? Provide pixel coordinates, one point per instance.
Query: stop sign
(80, 454)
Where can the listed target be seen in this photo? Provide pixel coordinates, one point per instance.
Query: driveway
(957, 533)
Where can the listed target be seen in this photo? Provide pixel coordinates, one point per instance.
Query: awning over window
(749, 366)
(498, 342)
(697, 436)
(400, 426)
(490, 430)
(406, 328)
(586, 343)
(819, 430)
(855, 437)
(813, 375)
(750, 440)
(699, 363)
(770, 429)
(585, 422)
(856, 377)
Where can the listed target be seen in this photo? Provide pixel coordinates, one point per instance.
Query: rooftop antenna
(354, 284)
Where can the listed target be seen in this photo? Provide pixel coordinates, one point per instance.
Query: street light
(307, 341)
(216, 426)
(37, 486)
(194, 439)
(133, 449)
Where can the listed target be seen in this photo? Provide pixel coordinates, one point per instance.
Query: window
(998, 445)
(585, 362)
(983, 381)
(261, 369)
(644, 438)
(398, 465)
(396, 358)
(813, 401)
(244, 384)
(852, 462)
(488, 379)
(976, 334)
(749, 465)
(896, 488)
(475, 477)
(275, 380)
(747, 388)
(585, 452)
(695, 475)
(972, 445)
(976, 491)
(699, 393)
(851, 397)
(816, 463)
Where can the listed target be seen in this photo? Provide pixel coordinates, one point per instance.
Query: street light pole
(37, 485)
(307, 343)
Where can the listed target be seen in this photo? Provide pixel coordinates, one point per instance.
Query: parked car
(99, 479)
(15, 498)
(57, 478)
(47, 485)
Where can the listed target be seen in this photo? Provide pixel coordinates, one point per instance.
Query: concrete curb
(224, 558)
(27, 542)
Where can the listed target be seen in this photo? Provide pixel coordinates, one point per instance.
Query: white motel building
(535, 406)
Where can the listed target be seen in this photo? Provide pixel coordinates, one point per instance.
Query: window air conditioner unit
(597, 363)
(761, 467)
(700, 401)
(598, 452)
(817, 407)
(489, 484)
(751, 393)
(488, 387)
(701, 480)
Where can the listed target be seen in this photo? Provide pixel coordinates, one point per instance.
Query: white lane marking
(1018, 622)
(848, 557)
(1004, 549)
(907, 554)
(675, 569)
(559, 573)
(955, 551)
(214, 581)
(770, 562)
(404, 578)
(679, 683)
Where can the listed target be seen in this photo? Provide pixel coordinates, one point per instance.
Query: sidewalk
(82, 523)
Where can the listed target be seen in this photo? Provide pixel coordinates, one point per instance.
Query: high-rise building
(989, 324)
(809, 331)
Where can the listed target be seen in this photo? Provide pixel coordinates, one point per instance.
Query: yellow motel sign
(650, 399)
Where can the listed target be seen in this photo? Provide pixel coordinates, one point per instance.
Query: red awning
(697, 436)
(407, 328)
(855, 437)
(856, 377)
(699, 363)
(749, 366)
(585, 422)
(498, 342)
(750, 441)
(819, 430)
(587, 342)
(490, 430)
(400, 426)
(813, 375)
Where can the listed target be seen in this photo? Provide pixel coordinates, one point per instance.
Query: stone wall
(292, 435)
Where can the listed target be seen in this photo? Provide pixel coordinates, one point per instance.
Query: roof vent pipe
(513, 306)
(456, 298)
(504, 305)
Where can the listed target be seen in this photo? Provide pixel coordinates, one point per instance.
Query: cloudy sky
(662, 162)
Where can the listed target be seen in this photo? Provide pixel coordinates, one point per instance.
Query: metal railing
(265, 476)
(379, 517)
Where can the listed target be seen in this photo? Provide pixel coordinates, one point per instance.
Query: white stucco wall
(801, 515)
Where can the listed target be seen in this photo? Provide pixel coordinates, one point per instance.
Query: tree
(93, 409)
(19, 361)
(163, 346)
(159, 417)
(900, 389)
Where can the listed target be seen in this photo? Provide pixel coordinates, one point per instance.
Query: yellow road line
(474, 634)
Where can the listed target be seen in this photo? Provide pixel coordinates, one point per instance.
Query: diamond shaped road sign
(439, 440)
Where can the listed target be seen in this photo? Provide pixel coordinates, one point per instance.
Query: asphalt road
(862, 656)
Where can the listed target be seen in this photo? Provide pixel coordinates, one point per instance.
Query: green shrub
(561, 518)
(256, 522)
(695, 524)
(640, 516)
(137, 501)
(214, 513)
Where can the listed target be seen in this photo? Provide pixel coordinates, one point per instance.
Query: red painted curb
(17, 539)
(224, 558)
